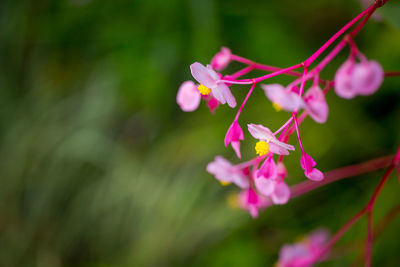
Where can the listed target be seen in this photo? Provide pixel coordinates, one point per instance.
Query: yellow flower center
(204, 90)
(262, 148)
(224, 183)
(276, 106)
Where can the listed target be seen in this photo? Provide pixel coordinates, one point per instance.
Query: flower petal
(264, 185)
(188, 97)
(367, 77)
(281, 194)
(260, 132)
(343, 80)
(202, 75)
(316, 104)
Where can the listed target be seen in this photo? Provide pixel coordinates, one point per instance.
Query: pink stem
(392, 73)
(244, 101)
(240, 73)
(259, 79)
(303, 82)
(314, 56)
(286, 125)
(241, 59)
(297, 130)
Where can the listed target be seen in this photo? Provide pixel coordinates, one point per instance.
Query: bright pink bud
(268, 169)
(367, 77)
(307, 164)
(188, 97)
(233, 135)
(252, 202)
(221, 59)
(316, 105)
(212, 103)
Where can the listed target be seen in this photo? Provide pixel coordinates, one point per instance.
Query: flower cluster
(303, 252)
(263, 179)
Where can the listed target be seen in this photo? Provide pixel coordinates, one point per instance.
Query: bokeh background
(100, 167)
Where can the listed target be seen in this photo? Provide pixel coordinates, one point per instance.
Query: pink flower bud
(367, 77)
(307, 164)
(363, 78)
(233, 135)
(221, 59)
(343, 80)
(188, 97)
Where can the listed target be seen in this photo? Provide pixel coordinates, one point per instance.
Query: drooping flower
(188, 97)
(304, 252)
(227, 173)
(307, 163)
(282, 98)
(221, 59)
(250, 201)
(210, 82)
(267, 141)
(353, 78)
(271, 184)
(315, 104)
(233, 135)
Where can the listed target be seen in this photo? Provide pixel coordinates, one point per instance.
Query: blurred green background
(100, 167)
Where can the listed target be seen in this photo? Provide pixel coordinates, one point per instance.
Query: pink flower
(210, 81)
(250, 201)
(268, 168)
(221, 59)
(307, 164)
(188, 97)
(227, 173)
(283, 98)
(362, 78)
(267, 141)
(367, 77)
(272, 184)
(233, 135)
(343, 80)
(316, 105)
(304, 252)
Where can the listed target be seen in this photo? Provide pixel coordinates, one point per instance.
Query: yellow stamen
(276, 106)
(262, 148)
(224, 183)
(204, 90)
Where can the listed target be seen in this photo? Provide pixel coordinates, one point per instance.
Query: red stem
(368, 246)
